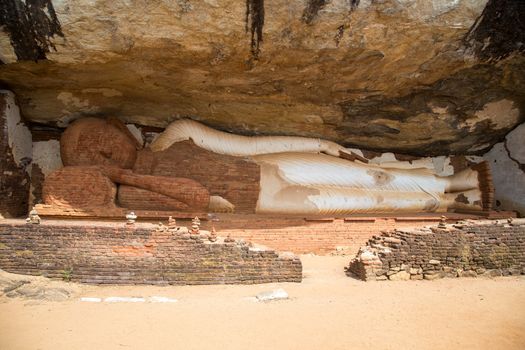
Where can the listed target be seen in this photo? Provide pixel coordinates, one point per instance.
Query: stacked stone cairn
(33, 217)
(131, 217)
(195, 227)
(194, 232)
(467, 249)
(213, 235)
(172, 223)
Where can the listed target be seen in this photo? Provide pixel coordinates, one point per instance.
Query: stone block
(277, 294)
(433, 276)
(415, 271)
(399, 276)
(492, 273)
(467, 273)
(515, 271)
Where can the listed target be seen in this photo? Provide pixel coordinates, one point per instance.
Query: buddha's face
(92, 141)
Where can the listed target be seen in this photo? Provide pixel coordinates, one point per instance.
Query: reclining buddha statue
(190, 166)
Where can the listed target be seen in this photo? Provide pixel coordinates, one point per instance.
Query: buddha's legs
(298, 185)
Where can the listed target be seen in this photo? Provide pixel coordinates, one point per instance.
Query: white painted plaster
(442, 166)
(18, 135)
(136, 133)
(439, 165)
(124, 300)
(46, 154)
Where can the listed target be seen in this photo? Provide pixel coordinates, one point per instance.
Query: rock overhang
(404, 76)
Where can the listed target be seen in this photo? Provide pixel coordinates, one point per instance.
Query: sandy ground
(327, 311)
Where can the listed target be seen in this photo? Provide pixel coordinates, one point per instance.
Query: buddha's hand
(220, 205)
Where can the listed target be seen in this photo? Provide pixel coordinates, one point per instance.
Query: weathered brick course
(139, 254)
(310, 235)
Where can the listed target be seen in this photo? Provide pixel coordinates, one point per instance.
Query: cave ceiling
(412, 76)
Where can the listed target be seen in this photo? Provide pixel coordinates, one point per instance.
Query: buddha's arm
(236, 145)
(187, 191)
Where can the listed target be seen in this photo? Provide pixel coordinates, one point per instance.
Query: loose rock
(277, 294)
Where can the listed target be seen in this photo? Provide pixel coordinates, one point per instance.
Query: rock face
(406, 76)
(35, 287)
(507, 162)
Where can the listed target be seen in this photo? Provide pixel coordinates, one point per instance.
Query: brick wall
(142, 254)
(14, 180)
(467, 249)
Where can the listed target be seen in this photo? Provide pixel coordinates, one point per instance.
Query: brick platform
(468, 249)
(317, 235)
(322, 235)
(114, 253)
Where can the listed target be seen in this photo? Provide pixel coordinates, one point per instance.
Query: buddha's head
(94, 141)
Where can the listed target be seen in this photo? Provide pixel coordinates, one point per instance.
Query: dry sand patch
(327, 311)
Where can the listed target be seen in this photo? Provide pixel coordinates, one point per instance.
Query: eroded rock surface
(507, 161)
(35, 287)
(417, 77)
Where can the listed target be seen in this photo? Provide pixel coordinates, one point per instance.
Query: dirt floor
(327, 311)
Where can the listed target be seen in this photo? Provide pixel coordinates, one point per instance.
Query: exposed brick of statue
(137, 198)
(93, 141)
(199, 169)
(98, 155)
(233, 178)
(187, 191)
(79, 187)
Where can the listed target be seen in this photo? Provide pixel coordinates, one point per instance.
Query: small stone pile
(467, 249)
(33, 217)
(172, 223)
(195, 227)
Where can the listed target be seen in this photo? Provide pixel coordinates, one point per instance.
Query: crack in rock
(520, 165)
